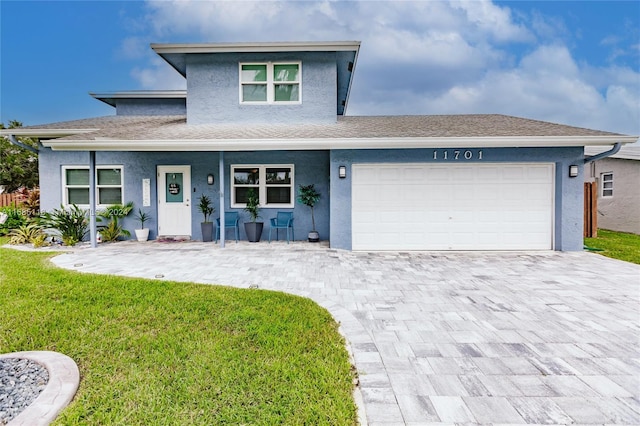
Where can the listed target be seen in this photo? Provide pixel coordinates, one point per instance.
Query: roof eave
(110, 97)
(45, 133)
(254, 47)
(105, 144)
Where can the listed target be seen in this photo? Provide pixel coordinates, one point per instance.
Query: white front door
(174, 200)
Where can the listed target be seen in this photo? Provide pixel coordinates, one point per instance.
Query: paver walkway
(444, 338)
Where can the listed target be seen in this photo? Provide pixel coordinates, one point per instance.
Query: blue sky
(573, 62)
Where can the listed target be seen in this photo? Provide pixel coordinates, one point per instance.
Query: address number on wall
(457, 154)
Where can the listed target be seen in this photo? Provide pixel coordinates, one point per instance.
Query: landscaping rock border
(61, 386)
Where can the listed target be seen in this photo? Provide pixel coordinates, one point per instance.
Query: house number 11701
(457, 154)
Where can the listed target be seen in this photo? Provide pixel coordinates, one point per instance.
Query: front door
(174, 200)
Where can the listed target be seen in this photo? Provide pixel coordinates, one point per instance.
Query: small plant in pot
(142, 234)
(206, 208)
(309, 196)
(253, 228)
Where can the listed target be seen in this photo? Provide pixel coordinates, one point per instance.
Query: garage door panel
(540, 174)
(437, 174)
(463, 174)
(453, 207)
(514, 172)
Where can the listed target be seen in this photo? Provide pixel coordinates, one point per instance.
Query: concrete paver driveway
(444, 338)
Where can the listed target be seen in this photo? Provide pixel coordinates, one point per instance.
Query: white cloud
(159, 76)
(493, 20)
(134, 47)
(420, 57)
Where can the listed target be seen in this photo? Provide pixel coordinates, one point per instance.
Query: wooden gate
(590, 209)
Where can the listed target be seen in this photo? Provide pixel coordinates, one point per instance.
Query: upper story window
(75, 181)
(606, 180)
(273, 183)
(270, 83)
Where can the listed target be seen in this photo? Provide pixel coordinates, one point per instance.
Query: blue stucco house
(272, 116)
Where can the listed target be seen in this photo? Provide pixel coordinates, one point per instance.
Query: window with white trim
(75, 183)
(270, 83)
(606, 182)
(273, 183)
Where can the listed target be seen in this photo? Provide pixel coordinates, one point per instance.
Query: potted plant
(206, 208)
(142, 234)
(253, 228)
(308, 196)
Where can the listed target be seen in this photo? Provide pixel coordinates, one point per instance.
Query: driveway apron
(443, 338)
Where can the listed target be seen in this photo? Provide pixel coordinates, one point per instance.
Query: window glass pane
(279, 195)
(288, 72)
(254, 93)
(109, 177)
(109, 196)
(78, 195)
(607, 192)
(77, 176)
(254, 73)
(608, 185)
(242, 193)
(174, 188)
(286, 92)
(249, 176)
(279, 176)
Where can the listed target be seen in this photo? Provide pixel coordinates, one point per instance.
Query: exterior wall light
(573, 171)
(210, 179)
(342, 172)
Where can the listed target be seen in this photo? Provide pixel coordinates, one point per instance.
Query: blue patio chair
(284, 220)
(231, 220)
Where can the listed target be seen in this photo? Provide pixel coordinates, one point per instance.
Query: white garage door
(452, 207)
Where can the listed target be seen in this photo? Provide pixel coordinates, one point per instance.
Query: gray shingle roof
(405, 126)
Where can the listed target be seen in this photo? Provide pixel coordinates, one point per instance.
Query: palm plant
(71, 222)
(253, 205)
(308, 196)
(206, 208)
(114, 230)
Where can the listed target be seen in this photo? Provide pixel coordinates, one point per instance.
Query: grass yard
(156, 352)
(618, 245)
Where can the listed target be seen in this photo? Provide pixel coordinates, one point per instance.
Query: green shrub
(14, 220)
(73, 223)
(25, 234)
(113, 230)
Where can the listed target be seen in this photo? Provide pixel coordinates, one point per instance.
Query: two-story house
(272, 116)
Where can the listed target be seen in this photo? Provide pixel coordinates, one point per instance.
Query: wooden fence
(590, 209)
(9, 199)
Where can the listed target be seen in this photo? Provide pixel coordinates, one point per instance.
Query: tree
(18, 166)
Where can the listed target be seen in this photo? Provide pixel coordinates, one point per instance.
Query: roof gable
(175, 54)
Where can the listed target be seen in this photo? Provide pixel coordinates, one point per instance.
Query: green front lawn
(156, 352)
(618, 245)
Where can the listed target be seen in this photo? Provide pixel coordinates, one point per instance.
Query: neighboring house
(271, 116)
(618, 182)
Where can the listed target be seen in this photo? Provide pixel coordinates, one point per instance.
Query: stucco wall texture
(310, 167)
(620, 212)
(333, 212)
(216, 76)
(568, 214)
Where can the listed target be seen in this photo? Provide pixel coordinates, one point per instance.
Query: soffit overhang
(110, 98)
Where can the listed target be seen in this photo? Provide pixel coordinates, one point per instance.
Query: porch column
(221, 193)
(92, 199)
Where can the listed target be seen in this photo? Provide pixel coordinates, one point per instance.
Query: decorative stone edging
(64, 378)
